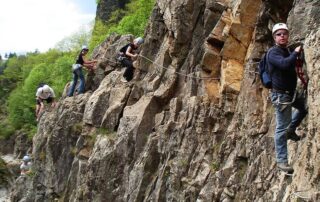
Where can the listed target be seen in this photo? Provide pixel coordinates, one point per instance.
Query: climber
(77, 71)
(44, 92)
(129, 55)
(25, 167)
(283, 94)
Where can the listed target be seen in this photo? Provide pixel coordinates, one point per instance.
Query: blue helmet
(138, 41)
(26, 158)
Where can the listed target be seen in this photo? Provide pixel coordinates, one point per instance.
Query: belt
(282, 91)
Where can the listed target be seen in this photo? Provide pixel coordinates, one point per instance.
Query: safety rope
(178, 73)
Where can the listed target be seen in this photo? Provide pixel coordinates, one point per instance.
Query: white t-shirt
(25, 168)
(45, 92)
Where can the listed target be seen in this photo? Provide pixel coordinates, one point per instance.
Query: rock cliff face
(195, 124)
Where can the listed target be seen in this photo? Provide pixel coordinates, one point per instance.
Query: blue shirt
(281, 65)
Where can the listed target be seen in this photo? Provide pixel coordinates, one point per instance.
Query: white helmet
(138, 41)
(45, 88)
(26, 158)
(279, 26)
(84, 47)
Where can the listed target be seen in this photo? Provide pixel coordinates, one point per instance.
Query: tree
(76, 40)
(12, 55)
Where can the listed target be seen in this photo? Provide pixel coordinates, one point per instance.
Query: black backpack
(264, 72)
(122, 53)
(124, 48)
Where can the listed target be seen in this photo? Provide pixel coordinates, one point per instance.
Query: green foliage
(214, 166)
(19, 82)
(20, 75)
(31, 130)
(76, 40)
(133, 21)
(52, 68)
(31, 173)
(6, 129)
(73, 151)
(4, 173)
(77, 128)
(103, 131)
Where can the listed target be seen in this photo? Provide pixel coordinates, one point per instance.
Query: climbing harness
(287, 103)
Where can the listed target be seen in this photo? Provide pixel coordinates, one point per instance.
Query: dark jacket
(281, 65)
(80, 59)
(123, 50)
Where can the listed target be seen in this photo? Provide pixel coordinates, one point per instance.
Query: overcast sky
(27, 25)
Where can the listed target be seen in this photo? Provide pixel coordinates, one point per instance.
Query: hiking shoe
(292, 135)
(285, 167)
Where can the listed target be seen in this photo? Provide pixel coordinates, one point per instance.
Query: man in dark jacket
(281, 64)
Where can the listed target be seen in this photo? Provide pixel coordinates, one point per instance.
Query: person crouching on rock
(25, 167)
(77, 71)
(44, 92)
(129, 56)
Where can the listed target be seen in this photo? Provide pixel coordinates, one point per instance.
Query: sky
(27, 25)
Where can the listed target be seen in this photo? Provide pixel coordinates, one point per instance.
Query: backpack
(124, 48)
(265, 75)
(122, 53)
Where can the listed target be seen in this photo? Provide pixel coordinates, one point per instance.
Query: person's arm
(276, 58)
(128, 52)
(89, 64)
(39, 108)
(89, 61)
(53, 104)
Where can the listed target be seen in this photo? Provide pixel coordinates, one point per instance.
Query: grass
(73, 151)
(77, 128)
(112, 135)
(42, 155)
(214, 166)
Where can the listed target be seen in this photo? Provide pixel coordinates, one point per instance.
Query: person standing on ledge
(129, 55)
(77, 71)
(281, 63)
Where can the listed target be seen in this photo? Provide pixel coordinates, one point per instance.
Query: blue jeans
(77, 74)
(286, 120)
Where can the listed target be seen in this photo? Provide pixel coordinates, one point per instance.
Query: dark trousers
(128, 73)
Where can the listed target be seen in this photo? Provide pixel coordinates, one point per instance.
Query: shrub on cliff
(133, 20)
